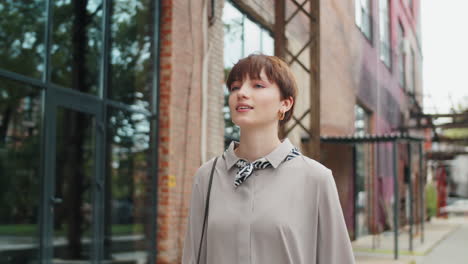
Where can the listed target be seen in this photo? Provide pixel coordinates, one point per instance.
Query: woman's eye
(234, 88)
(259, 86)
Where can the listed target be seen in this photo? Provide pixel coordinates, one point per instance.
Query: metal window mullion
(101, 138)
(48, 178)
(396, 200)
(47, 116)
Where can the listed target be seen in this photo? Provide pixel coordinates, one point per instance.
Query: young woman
(268, 203)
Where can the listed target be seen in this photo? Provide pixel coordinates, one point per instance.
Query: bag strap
(207, 205)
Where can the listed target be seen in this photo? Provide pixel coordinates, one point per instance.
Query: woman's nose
(243, 91)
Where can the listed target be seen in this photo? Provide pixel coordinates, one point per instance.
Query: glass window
(401, 56)
(131, 64)
(385, 50)
(242, 37)
(76, 44)
(74, 174)
(20, 132)
(233, 35)
(411, 71)
(128, 215)
(22, 37)
(361, 122)
(363, 17)
(362, 152)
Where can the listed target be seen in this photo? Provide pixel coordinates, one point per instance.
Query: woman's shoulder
(204, 171)
(313, 168)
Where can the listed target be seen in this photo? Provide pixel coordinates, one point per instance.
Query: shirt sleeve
(194, 226)
(334, 246)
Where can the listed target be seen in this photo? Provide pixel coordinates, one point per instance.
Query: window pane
(233, 34)
(20, 122)
(131, 65)
(128, 219)
(251, 38)
(74, 174)
(268, 45)
(362, 126)
(76, 44)
(22, 36)
(401, 55)
(385, 33)
(357, 12)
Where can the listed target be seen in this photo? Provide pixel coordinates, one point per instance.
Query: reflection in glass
(76, 43)
(20, 122)
(130, 58)
(128, 201)
(75, 155)
(22, 36)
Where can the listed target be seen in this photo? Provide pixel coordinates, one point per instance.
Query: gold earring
(281, 115)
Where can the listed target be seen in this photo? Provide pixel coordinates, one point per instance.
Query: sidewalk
(378, 249)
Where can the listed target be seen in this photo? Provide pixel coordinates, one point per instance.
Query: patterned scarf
(247, 168)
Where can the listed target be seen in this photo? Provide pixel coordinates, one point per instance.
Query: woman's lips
(243, 108)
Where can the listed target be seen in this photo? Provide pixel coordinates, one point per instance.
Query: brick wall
(215, 120)
(179, 127)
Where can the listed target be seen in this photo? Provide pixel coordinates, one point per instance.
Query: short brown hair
(276, 70)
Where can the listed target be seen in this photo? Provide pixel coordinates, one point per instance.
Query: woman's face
(255, 102)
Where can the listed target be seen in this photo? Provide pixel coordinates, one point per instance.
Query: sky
(444, 29)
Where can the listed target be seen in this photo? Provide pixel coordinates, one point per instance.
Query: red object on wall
(441, 179)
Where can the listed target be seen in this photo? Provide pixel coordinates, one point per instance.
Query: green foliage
(431, 200)
(456, 132)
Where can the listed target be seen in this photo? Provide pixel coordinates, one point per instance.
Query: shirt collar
(275, 157)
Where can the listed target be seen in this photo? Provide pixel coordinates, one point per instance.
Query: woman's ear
(287, 103)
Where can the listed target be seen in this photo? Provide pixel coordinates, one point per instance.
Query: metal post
(396, 199)
(422, 190)
(410, 186)
(280, 40)
(280, 28)
(355, 207)
(314, 127)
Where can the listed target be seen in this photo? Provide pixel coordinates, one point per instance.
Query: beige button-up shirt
(288, 213)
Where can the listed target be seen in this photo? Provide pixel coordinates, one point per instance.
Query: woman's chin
(244, 122)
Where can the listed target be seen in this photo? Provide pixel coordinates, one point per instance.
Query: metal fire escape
(313, 44)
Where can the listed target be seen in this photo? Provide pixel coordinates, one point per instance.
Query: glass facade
(77, 130)
(242, 37)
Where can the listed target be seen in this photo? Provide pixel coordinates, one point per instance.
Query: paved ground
(443, 239)
(453, 249)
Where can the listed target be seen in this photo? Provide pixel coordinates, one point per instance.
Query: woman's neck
(257, 142)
